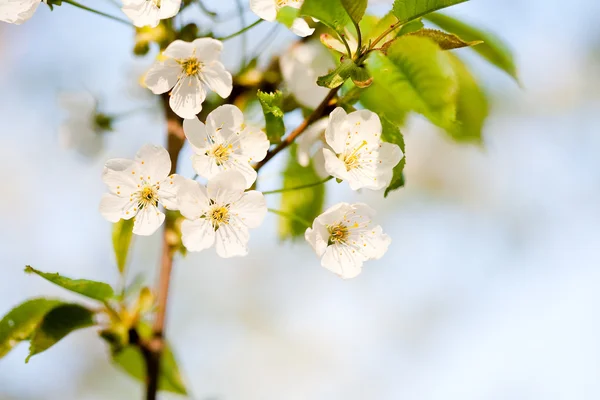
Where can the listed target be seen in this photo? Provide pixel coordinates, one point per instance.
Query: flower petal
(226, 187)
(192, 199)
(187, 97)
(217, 78)
(205, 166)
(162, 76)
(265, 9)
(254, 144)
(195, 132)
(154, 162)
(232, 242)
(169, 8)
(169, 191)
(142, 13)
(334, 166)
(179, 49)
(226, 117)
(340, 260)
(197, 235)
(240, 164)
(147, 221)
(300, 27)
(119, 176)
(337, 130)
(114, 208)
(208, 49)
(251, 208)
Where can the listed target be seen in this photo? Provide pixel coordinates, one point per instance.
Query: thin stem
(348, 50)
(76, 4)
(291, 216)
(384, 34)
(309, 185)
(359, 35)
(319, 112)
(240, 31)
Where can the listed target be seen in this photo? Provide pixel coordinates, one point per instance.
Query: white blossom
(189, 69)
(84, 128)
(310, 147)
(344, 237)
(138, 186)
(17, 11)
(357, 153)
(268, 9)
(301, 65)
(220, 214)
(150, 12)
(225, 143)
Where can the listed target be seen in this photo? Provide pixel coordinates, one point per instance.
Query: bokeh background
(489, 291)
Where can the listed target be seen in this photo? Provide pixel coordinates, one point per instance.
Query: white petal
(376, 242)
(205, 166)
(390, 154)
(169, 191)
(195, 132)
(197, 235)
(179, 49)
(119, 176)
(251, 209)
(226, 187)
(309, 140)
(265, 9)
(169, 8)
(337, 130)
(147, 221)
(232, 242)
(217, 78)
(154, 162)
(18, 12)
(162, 76)
(317, 237)
(254, 144)
(300, 27)
(193, 199)
(142, 14)
(340, 260)
(207, 49)
(227, 117)
(187, 97)
(364, 125)
(334, 166)
(114, 208)
(318, 163)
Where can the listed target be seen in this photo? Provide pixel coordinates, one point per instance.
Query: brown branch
(319, 112)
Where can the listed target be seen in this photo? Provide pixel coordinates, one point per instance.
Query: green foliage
(407, 10)
(94, 290)
(271, 105)
(331, 12)
(338, 76)
(361, 77)
(121, 239)
(306, 204)
(390, 133)
(412, 26)
(493, 49)
(22, 321)
(58, 323)
(355, 8)
(472, 106)
(446, 41)
(286, 15)
(418, 76)
(379, 99)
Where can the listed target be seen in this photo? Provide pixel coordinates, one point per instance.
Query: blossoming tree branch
(355, 78)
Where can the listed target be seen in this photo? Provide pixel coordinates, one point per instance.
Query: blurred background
(488, 292)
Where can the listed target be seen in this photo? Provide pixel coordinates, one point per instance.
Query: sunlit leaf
(121, 238)
(287, 15)
(58, 323)
(407, 10)
(446, 41)
(338, 76)
(331, 12)
(271, 105)
(355, 8)
(391, 134)
(94, 290)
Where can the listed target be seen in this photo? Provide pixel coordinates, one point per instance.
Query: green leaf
(287, 15)
(355, 8)
(418, 76)
(130, 360)
(306, 204)
(22, 321)
(446, 41)
(407, 10)
(361, 77)
(382, 101)
(391, 134)
(493, 49)
(58, 323)
(271, 104)
(412, 26)
(338, 76)
(472, 106)
(94, 290)
(121, 238)
(331, 12)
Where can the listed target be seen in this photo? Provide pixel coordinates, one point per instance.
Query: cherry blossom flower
(85, 126)
(357, 153)
(268, 9)
(138, 186)
(310, 147)
(301, 65)
(150, 12)
(189, 69)
(17, 11)
(220, 214)
(225, 143)
(344, 238)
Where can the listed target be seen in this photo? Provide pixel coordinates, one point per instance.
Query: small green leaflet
(271, 104)
(286, 15)
(330, 12)
(391, 133)
(338, 76)
(407, 10)
(121, 238)
(355, 8)
(94, 290)
(446, 41)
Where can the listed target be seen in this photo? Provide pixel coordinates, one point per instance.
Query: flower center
(219, 215)
(156, 3)
(220, 153)
(338, 234)
(191, 66)
(352, 160)
(148, 196)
